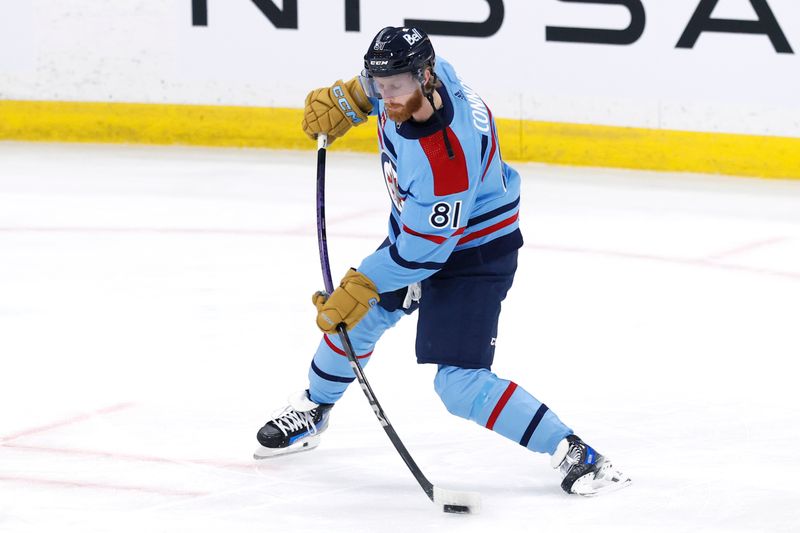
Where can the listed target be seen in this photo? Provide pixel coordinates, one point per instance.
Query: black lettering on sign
(629, 35)
(281, 18)
(486, 28)
(352, 15)
(199, 13)
(766, 24)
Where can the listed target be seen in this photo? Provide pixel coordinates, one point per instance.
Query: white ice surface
(154, 310)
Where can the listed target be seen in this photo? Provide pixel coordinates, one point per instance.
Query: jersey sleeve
(433, 219)
(375, 105)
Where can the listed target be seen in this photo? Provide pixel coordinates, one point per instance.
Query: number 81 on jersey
(443, 215)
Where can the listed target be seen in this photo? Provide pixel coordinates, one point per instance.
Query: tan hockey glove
(333, 110)
(351, 300)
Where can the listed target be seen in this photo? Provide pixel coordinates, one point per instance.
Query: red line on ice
(130, 457)
(90, 485)
(707, 262)
(664, 259)
(65, 422)
(746, 248)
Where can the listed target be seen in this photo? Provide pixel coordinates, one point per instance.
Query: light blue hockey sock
(500, 405)
(330, 372)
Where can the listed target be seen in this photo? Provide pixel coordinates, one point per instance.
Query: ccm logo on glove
(334, 110)
(346, 107)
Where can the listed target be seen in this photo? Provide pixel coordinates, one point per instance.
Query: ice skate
(584, 471)
(295, 429)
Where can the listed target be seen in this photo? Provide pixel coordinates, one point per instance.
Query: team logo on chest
(392, 186)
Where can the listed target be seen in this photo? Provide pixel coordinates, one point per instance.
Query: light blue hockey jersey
(444, 211)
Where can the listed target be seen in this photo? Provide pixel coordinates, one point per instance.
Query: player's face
(401, 108)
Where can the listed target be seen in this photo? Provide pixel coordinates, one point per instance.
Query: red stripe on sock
(501, 404)
(340, 351)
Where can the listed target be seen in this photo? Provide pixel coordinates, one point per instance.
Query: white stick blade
(456, 501)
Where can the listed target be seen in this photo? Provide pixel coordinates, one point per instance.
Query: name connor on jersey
(480, 115)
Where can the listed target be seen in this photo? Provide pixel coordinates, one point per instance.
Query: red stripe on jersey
(433, 238)
(380, 134)
(491, 229)
(449, 175)
(501, 404)
(340, 351)
(494, 143)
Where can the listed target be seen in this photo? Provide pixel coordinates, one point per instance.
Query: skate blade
(302, 445)
(588, 487)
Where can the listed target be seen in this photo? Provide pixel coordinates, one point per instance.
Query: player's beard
(402, 112)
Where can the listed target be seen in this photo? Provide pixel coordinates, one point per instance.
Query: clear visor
(389, 86)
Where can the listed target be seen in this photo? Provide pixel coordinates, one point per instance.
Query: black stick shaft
(322, 240)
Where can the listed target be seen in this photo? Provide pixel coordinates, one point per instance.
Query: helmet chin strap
(429, 96)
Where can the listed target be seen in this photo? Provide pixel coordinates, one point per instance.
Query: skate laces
(290, 420)
(574, 456)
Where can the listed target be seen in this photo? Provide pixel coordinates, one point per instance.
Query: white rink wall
(153, 52)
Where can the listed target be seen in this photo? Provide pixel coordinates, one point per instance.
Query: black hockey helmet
(397, 50)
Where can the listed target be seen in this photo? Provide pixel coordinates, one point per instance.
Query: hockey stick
(451, 501)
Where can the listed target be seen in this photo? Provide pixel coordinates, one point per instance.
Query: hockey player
(451, 255)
